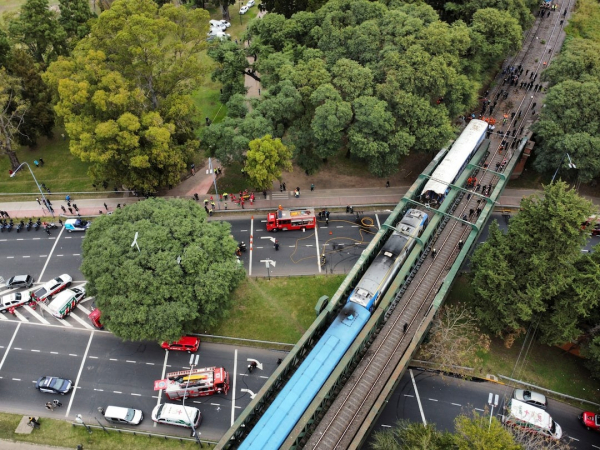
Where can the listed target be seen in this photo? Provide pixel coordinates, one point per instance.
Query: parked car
(590, 420)
(188, 344)
(52, 287)
(224, 24)
(126, 416)
(54, 385)
(77, 225)
(94, 316)
(13, 301)
(244, 9)
(220, 36)
(531, 398)
(216, 24)
(250, 3)
(19, 281)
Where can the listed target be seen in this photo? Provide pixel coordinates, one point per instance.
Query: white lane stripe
(233, 392)
(9, 345)
(377, 219)
(36, 314)
(417, 395)
(83, 309)
(432, 399)
(251, 246)
(87, 349)
(456, 404)
(64, 323)
(26, 256)
(137, 395)
(93, 357)
(20, 316)
(37, 351)
(85, 323)
(318, 255)
(50, 255)
(2, 317)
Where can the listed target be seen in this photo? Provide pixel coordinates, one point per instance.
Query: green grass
(279, 310)
(545, 366)
(63, 434)
(62, 172)
(232, 182)
(585, 23)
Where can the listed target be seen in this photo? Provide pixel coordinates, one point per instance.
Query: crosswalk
(280, 195)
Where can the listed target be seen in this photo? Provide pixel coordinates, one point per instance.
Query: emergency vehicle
(592, 225)
(291, 219)
(202, 382)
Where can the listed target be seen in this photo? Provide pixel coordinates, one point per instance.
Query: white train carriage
(454, 162)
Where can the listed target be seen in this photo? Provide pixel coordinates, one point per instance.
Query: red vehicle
(94, 316)
(592, 225)
(199, 383)
(188, 344)
(291, 219)
(590, 420)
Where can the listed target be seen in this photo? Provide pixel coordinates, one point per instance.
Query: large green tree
(74, 18)
(477, 432)
(407, 435)
(38, 30)
(125, 93)
(523, 275)
(265, 160)
(180, 279)
(375, 80)
(13, 109)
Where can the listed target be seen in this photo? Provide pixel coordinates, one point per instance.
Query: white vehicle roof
(535, 416)
(446, 172)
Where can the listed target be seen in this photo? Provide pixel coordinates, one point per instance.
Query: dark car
(54, 385)
(20, 281)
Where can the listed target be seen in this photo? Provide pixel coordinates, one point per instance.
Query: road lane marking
(164, 370)
(478, 409)
(26, 256)
(20, 316)
(234, 391)
(117, 392)
(72, 354)
(16, 379)
(76, 254)
(2, 317)
(432, 399)
(18, 348)
(137, 395)
(99, 390)
(130, 361)
(87, 349)
(35, 313)
(216, 404)
(113, 359)
(50, 254)
(251, 246)
(377, 219)
(81, 321)
(408, 395)
(456, 404)
(93, 357)
(54, 353)
(412, 377)
(318, 255)
(10, 257)
(83, 309)
(386, 426)
(37, 351)
(150, 364)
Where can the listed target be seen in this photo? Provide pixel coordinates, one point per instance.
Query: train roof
(413, 218)
(446, 171)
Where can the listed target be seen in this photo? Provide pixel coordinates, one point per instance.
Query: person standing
(433, 253)
(70, 210)
(38, 200)
(106, 206)
(312, 187)
(37, 164)
(276, 245)
(41, 162)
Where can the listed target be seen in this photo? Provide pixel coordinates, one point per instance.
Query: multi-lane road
(428, 397)
(108, 371)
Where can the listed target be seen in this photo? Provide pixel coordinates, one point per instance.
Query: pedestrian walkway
(12, 445)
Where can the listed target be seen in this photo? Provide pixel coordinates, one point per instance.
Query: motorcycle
(242, 246)
(20, 226)
(2, 223)
(50, 225)
(28, 226)
(10, 225)
(36, 226)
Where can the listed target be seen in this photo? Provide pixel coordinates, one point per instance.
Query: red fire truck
(202, 382)
(291, 219)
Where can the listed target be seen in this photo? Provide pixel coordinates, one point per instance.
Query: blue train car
(282, 415)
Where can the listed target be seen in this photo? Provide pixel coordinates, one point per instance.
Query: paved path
(11, 445)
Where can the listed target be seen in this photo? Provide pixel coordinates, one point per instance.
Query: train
(465, 146)
(282, 415)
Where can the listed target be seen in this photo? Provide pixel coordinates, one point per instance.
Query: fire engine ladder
(207, 370)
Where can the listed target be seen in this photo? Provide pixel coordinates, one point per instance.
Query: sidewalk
(12, 445)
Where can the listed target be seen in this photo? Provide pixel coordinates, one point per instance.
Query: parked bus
(291, 219)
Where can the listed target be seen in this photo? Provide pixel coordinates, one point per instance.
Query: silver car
(531, 398)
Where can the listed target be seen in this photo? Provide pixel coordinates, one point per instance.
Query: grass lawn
(62, 172)
(545, 366)
(63, 434)
(231, 181)
(279, 310)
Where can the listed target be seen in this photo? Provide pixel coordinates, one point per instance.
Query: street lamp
(36, 183)
(79, 419)
(193, 362)
(209, 171)
(492, 404)
(135, 242)
(571, 166)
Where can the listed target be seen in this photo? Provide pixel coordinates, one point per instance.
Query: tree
(74, 18)
(178, 282)
(37, 28)
(535, 441)
(476, 432)
(518, 276)
(265, 160)
(125, 93)
(411, 436)
(13, 109)
(454, 339)
(570, 123)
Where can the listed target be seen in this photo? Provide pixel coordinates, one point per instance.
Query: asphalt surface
(107, 371)
(440, 399)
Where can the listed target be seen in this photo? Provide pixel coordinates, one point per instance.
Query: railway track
(338, 428)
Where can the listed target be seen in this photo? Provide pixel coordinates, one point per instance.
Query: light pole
(212, 171)
(79, 419)
(135, 242)
(193, 362)
(571, 166)
(36, 183)
(492, 404)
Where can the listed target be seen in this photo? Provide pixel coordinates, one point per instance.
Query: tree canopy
(536, 272)
(372, 79)
(178, 282)
(265, 160)
(124, 93)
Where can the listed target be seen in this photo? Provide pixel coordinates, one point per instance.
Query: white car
(244, 9)
(13, 301)
(52, 287)
(250, 3)
(77, 225)
(217, 25)
(224, 24)
(217, 34)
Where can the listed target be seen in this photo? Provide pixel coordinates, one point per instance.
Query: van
(65, 302)
(127, 416)
(171, 414)
(532, 419)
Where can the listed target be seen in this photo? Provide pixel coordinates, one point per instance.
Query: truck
(199, 383)
(291, 219)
